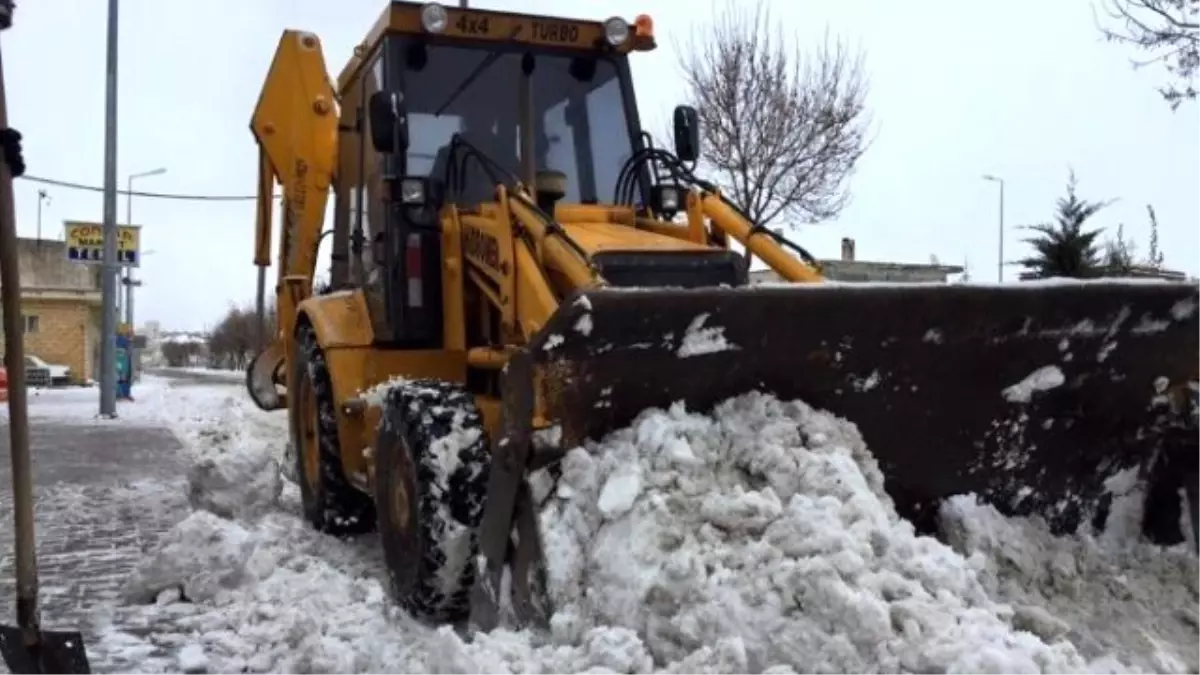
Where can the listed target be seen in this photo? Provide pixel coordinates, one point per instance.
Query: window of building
(31, 322)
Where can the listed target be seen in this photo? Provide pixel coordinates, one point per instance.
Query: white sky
(1023, 89)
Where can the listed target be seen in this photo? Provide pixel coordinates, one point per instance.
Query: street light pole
(1000, 242)
(108, 318)
(43, 198)
(129, 280)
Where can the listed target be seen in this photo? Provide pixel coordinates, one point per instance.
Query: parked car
(46, 374)
(36, 375)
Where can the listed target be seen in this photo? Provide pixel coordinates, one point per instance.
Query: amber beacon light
(643, 32)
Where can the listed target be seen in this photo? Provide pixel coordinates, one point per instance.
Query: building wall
(65, 298)
(862, 270)
(850, 268)
(64, 332)
(843, 270)
(43, 265)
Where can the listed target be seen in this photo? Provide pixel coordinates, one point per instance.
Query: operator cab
(421, 89)
(584, 119)
(443, 124)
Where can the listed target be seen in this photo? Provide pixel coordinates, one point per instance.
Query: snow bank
(81, 405)
(221, 373)
(755, 540)
(1106, 593)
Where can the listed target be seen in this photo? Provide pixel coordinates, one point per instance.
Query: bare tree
(1120, 254)
(783, 130)
(1154, 256)
(232, 343)
(180, 354)
(1169, 31)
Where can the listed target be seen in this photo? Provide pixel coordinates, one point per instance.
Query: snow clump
(198, 558)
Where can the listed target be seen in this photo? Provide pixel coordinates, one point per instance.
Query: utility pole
(108, 318)
(25, 562)
(1000, 246)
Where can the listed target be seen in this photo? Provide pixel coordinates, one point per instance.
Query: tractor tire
(432, 462)
(330, 503)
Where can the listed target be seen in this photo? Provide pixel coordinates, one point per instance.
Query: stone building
(60, 306)
(849, 268)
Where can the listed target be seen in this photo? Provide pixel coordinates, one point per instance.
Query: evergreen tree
(1064, 248)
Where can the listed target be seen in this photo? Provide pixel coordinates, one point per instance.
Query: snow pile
(274, 596)
(1109, 593)
(198, 558)
(762, 534)
(234, 471)
(757, 539)
(240, 483)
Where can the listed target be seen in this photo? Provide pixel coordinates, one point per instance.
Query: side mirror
(687, 133)
(388, 116)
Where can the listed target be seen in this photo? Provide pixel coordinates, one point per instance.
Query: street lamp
(43, 198)
(130, 283)
(128, 280)
(1000, 247)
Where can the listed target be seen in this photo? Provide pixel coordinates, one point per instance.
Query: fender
(340, 319)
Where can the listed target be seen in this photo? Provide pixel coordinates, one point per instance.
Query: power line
(136, 193)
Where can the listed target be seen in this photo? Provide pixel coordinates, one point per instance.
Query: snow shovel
(26, 647)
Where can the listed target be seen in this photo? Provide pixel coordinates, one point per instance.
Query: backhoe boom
(295, 124)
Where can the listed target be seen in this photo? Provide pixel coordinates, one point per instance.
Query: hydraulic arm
(295, 124)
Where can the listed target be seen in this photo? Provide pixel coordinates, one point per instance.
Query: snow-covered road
(757, 539)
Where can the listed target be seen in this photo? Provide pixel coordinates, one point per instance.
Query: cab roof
(481, 26)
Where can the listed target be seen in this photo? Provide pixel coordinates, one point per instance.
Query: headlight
(616, 31)
(669, 199)
(412, 191)
(433, 18)
(665, 199)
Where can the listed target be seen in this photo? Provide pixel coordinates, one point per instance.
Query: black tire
(331, 504)
(430, 550)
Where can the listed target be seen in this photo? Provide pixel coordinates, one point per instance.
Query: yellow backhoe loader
(511, 254)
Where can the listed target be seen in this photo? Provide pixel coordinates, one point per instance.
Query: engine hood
(600, 237)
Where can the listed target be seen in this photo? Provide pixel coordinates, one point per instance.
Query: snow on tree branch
(781, 129)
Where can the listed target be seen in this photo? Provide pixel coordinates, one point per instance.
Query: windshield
(579, 112)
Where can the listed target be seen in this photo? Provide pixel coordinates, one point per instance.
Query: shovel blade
(53, 652)
(1030, 396)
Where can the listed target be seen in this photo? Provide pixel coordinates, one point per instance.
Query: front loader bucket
(1028, 395)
